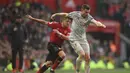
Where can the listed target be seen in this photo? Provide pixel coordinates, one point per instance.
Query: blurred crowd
(116, 10)
(38, 34)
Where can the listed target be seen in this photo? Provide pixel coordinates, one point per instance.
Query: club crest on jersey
(65, 31)
(82, 21)
(57, 28)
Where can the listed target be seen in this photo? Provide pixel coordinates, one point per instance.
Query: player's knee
(87, 59)
(48, 63)
(82, 55)
(62, 55)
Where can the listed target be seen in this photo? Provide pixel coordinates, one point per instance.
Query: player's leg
(81, 54)
(75, 55)
(87, 56)
(87, 61)
(50, 58)
(14, 54)
(47, 64)
(61, 55)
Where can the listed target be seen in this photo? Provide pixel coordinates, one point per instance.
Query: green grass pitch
(92, 71)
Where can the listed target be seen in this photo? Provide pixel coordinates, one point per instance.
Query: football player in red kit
(60, 32)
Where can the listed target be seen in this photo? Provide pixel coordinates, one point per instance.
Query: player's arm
(59, 14)
(61, 35)
(97, 23)
(37, 20)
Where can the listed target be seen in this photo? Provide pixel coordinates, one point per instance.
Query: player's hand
(29, 16)
(104, 26)
(56, 31)
(101, 25)
(52, 17)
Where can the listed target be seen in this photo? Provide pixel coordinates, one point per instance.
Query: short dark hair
(85, 6)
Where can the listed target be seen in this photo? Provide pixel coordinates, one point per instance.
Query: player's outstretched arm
(59, 14)
(97, 23)
(61, 35)
(37, 20)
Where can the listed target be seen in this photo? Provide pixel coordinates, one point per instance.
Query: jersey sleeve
(72, 14)
(53, 25)
(90, 18)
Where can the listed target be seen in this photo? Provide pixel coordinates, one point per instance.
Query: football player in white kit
(77, 37)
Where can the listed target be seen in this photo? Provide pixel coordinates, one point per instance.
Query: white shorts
(77, 46)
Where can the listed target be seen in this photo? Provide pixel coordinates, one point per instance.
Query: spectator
(17, 35)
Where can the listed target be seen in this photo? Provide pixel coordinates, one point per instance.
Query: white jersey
(78, 27)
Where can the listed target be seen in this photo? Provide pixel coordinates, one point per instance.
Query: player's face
(85, 12)
(67, 22)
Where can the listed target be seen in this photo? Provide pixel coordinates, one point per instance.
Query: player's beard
(84, 15)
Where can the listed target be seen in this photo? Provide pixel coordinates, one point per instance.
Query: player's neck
(63, 25)
(83, 16)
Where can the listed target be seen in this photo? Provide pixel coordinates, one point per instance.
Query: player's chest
(80, 20)
(62, 30)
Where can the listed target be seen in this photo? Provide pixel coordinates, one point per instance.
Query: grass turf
(92, 71)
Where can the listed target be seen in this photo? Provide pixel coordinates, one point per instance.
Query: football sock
(57, 62)
(78, 64)
(43, 69)
(87, 68)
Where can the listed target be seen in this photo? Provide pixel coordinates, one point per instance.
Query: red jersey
(54, 38)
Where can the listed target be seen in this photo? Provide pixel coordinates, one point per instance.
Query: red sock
(57, 62)
(42, 69)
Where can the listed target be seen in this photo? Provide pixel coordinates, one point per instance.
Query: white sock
(87, 68)
(78, 64)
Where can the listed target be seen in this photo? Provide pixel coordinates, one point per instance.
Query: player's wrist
(54, 15)
(60, 34)
(31, 18)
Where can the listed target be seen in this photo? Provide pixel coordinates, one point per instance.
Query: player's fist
(101, 25)
(56, 31)
(29, 16)
(104, 26)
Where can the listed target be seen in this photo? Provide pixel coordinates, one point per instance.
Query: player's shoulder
(54, 22)
(75, 12)
(90, 16)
